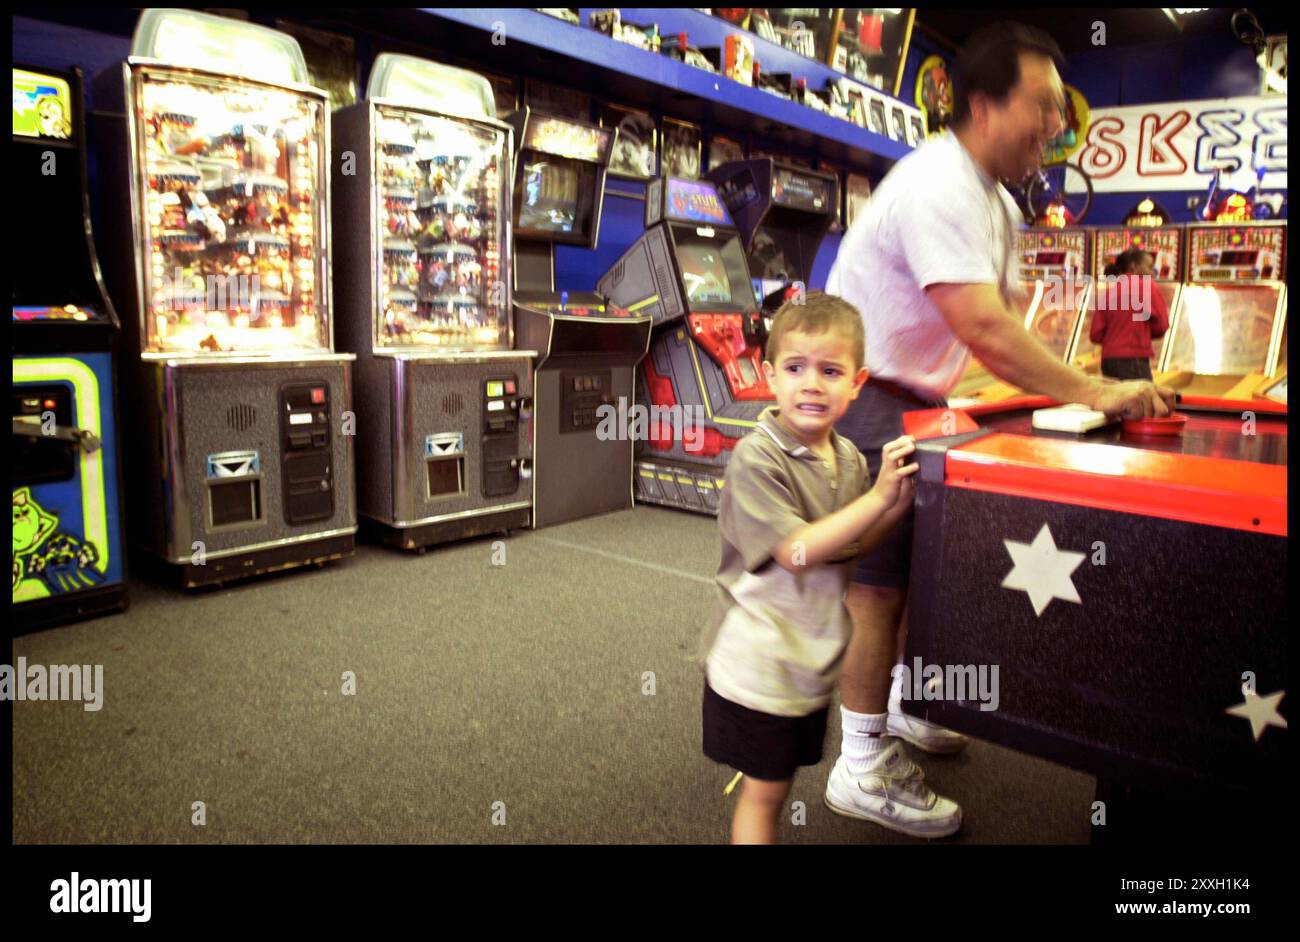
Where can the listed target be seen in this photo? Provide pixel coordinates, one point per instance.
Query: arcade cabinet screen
(802, 192)
(713, 271)
(553, 195)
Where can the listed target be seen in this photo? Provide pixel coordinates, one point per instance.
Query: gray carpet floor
(494, 704)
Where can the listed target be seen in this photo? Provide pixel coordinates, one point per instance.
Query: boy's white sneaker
(923, 735)
(893, 794)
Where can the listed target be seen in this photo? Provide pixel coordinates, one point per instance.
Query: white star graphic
(1261, 711)
(1042, 570)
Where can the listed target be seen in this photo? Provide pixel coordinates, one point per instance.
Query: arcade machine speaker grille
(241, 417)
(452, 404)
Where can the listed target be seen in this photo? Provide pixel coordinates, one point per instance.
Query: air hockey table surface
(1129, 590)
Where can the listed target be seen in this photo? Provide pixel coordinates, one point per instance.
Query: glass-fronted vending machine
(64, 461)
(422, 263)
(236, 411)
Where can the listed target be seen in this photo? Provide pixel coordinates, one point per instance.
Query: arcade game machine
(1227, 334)
(214, 165)
(421, 248)
(1055, 282)
(1165, 244)
(587, 350)
(1122, 579)
(703, 381)
(68, 547)
(782, 212)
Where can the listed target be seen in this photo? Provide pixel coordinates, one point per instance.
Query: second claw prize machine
(421, 256)
(235, 416)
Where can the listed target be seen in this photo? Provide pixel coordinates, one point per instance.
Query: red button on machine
(317, 395)
(510, 387)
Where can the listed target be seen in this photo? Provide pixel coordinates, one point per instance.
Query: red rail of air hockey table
(1150, 476)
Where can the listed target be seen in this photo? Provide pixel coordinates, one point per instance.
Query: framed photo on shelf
(916, 127)
(859, 103)
(876, 115)
(634, 147)
(724, 150)
(897, 123)
(857, 190)
(557, 100)
(681, 149)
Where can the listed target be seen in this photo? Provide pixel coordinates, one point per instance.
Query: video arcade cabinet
(703, 380)
(1228, 331)
(215, 169)
(1055, 267)
(782, 212)
(1123, 582)
(587, 350)
(67, 503)
(1165, 244)
(421, 252)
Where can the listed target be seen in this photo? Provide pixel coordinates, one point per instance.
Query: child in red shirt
(1129, 314)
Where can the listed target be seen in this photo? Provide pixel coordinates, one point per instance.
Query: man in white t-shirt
(931, 265)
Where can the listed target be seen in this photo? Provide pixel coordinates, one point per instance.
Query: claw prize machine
(67, 504)
(422, 264)
(215, 160)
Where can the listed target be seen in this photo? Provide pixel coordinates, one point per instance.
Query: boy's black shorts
(761, 745)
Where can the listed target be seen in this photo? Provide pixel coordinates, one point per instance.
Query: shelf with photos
(861, 129)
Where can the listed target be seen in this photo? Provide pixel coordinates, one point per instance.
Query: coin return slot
(235, 502)
(446, 476)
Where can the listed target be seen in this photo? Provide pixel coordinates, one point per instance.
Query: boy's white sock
(863, 738)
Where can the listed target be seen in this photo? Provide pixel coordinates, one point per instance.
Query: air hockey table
(1129, 589)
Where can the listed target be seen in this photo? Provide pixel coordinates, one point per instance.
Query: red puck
(1169, 425)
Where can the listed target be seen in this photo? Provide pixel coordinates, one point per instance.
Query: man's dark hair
(989, 63)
